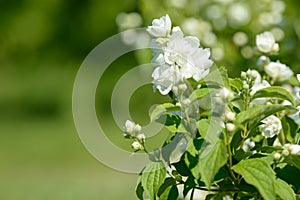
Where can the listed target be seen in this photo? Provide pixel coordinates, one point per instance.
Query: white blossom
(185, 52)
(248, 145)
(165, 78)
(294, 149)
(132, 128)
(265, 42)
(256, 75)
(160, 27)
(278, 71)
(260, 85)
(271, 126)
(177, 57)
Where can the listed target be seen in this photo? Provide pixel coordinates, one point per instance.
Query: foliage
(238, 136)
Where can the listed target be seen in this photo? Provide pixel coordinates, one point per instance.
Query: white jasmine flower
(260, 85)
(295, 149)
(265, 42)
(278, 71)
(248, 145)
(271, 126)
(160, 27)
(132, 128)
(185, 52)
(256, 75)
(165, 77)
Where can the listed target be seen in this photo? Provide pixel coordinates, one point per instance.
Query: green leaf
(208, 128)
(274, 92)
(284, 190)
(256, 113)
(181, 167)
(211, 159)
(294, 81)
(257, 172)
(163, 109)
(192, 156)
(293, 160)
(236, 83)
(290, 129)
(152, 177)
(170, 193)
(168, 183)
(139, 191)
(218, 75)
(199, 93)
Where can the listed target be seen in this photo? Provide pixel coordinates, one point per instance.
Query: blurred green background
(42, 45)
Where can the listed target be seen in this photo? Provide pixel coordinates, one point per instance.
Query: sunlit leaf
(258, 173)
(274, 92)
(152, 177)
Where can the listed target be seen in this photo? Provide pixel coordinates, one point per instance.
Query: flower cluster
(134, 131)
(176, 57)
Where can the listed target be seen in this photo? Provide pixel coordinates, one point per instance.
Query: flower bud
(294, 149)
(182, 146)
(186, 102)
(285, 152)
(175, 90)
(136, 146)
(243, 75)
(230, 116)
(262, 61)
(178, 178)
(275, 48)
(141, 137)
(246, 86)
(132, 128)
(230, 127)
(252, 93)
(277, 156)
(249, 73)
(226, 94)
(182, 87)
(253, 74)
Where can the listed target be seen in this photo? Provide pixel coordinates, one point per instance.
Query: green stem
(230, 164)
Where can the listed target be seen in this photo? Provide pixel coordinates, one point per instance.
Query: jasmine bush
(237, 138)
